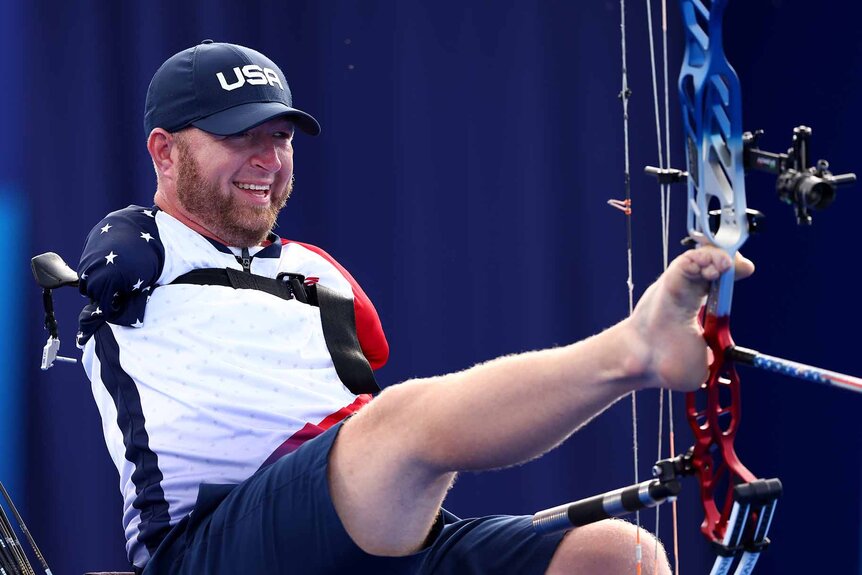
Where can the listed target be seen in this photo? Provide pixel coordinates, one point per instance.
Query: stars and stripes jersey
(199, 383)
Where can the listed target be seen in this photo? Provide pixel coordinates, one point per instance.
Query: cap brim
(246, 116)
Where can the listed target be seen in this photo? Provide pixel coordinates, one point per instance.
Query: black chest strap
(336, 316)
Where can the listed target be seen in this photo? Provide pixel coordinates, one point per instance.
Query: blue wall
(13, 273)
(478, 142)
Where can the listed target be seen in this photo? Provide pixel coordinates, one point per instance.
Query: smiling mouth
(258, 190)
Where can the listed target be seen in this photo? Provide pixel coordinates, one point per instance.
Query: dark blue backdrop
(468, 151)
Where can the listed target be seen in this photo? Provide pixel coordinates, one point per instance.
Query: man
(225, 392)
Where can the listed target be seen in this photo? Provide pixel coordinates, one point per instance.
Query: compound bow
(738, 506)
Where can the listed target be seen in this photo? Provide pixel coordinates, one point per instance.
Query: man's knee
(608, 547)
(385, 501)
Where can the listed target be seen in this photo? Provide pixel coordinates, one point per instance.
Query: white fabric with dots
(224, 376)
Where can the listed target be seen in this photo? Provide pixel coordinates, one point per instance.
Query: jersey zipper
(245, 260)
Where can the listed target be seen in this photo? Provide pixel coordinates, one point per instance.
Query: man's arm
(392, 463)
(121, 261)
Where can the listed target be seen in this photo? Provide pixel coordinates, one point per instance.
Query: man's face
(234, 186)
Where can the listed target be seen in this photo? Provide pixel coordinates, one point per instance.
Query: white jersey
(197, 383)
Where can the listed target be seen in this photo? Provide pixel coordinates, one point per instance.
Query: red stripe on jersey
(310, 430)
(372, 340)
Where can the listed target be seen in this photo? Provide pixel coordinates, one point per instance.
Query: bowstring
(664, 193)
(625, 206)
(665, 243)
(663, 160)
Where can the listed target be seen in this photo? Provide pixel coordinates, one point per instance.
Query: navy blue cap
(221, 88)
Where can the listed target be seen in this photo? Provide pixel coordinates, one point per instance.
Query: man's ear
(160, 144)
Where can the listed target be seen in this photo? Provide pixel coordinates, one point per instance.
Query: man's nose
(266, 157)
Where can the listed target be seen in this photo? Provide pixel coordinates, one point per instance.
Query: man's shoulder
(132, 226)
(119, 224)
(368, 326)
(134, 212)
(287, 244)
(123, 253)
(317, 262)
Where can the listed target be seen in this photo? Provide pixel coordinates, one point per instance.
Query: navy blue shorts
(281, 520)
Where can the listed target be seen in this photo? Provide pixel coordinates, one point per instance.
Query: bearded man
(233, 370)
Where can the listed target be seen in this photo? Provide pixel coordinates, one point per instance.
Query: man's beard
(237, 223)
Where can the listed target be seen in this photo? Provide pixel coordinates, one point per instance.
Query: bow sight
(798, 184)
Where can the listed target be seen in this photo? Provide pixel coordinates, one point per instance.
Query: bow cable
(625, 207)
(664, 194)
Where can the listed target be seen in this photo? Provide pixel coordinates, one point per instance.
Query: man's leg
(608, 547)
(386, 496)
(500, 544)
(389, 468)
(395, 460)
(492, 545)
(400, 521)
(280, 520)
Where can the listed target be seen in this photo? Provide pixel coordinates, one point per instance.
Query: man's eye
(237, 136)
(283, 135)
